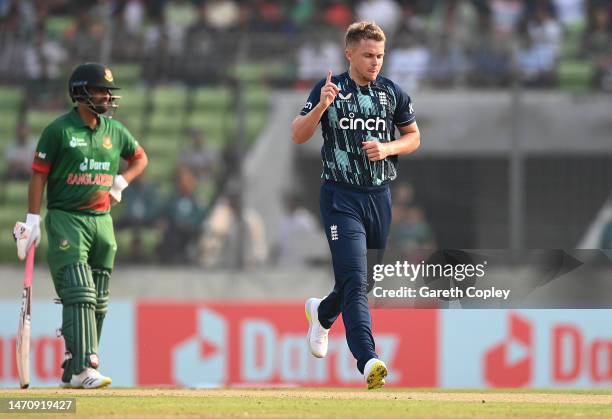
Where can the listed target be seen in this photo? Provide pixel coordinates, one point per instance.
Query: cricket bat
(23, 331)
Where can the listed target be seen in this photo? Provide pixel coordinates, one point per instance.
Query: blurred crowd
(438, 42)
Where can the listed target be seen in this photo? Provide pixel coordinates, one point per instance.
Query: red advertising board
(526, 348)
(221, 344)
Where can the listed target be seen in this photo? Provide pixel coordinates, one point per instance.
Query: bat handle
(29, 266)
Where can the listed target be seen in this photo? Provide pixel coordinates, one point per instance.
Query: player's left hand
(119, 184)
(375, 150)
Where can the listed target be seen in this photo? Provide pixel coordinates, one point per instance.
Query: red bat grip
(29, 267)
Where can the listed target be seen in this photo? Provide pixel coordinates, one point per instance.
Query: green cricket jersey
(82, 162)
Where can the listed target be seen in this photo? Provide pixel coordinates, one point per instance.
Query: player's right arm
(47, 151)
(28, 233)
(36, 190)
(304, 125)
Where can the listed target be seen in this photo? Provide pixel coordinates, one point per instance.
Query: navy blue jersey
(360, 113)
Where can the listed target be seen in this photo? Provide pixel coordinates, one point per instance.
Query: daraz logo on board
(571, 352)
(253, 344)
(526, 348)
(502, 370)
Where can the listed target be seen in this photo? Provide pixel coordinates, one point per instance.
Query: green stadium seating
(150, 238)
(169, 99)
(11, 99)
(10, 214)
(126, 74)
(16, 191)
(7, 128)
(213, 97)
(575, 75)
(38, 120)
(57, 24)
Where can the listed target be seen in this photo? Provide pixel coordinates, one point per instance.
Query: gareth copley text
(434, 271)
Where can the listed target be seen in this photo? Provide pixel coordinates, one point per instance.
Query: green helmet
(89, 75)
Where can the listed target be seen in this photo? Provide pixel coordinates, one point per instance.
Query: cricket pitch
(328, 402)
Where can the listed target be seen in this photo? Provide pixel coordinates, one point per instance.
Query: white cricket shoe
(317, 334)
(89, 378)
(374, 373)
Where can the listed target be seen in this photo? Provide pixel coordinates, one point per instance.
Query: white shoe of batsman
(89, 378)
(317, 334)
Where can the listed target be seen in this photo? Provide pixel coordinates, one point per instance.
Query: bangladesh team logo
(107, 143)
(64, 244)
(108, 75)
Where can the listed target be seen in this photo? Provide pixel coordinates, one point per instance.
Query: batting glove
(119, 184)
(26, 234)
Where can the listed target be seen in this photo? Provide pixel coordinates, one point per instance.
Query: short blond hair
(363, 30)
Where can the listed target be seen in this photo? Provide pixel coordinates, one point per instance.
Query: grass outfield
(332, 403)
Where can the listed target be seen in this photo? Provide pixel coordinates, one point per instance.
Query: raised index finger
(329, 76)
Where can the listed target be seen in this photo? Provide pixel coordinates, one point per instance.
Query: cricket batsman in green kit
(77, 157)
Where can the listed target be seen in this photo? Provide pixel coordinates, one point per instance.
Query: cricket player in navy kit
(358, 111)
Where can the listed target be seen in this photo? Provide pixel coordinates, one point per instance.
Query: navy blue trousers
(355, 219)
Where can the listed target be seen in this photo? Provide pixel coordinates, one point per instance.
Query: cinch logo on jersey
(91, 164)
(356, 123)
